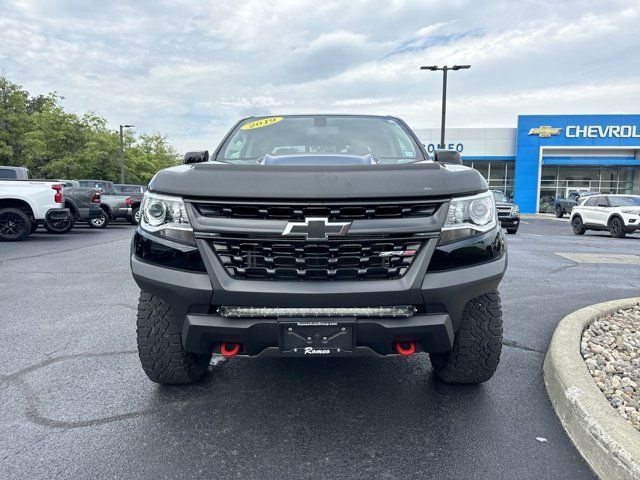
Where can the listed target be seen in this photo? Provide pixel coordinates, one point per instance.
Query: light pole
(444, 69)
(122, 127)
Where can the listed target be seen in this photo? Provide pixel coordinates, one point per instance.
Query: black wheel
(15, 224)
(60, 226)
(99, 222)
(616, 228)
(134, 219)
(477, 345)
(512, 231)
(577, 225)
(559, 211)
(163, 358)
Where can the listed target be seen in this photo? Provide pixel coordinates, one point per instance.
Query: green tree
(146, 156)
(37, 133)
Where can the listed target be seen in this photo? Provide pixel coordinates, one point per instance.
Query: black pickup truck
(564, 205)
(315, 236)
(508, 212)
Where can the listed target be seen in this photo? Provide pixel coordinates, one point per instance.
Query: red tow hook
(229, 350)
(406, 348)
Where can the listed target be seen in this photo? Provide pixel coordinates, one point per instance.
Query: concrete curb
(607, 442)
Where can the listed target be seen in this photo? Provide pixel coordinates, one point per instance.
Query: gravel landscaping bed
(611, 350)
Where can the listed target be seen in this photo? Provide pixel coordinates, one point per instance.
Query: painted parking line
(605, 258)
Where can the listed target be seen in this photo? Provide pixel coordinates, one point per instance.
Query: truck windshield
(385, 139)
(500, 197)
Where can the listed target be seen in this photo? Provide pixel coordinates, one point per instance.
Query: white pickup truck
(24, 204)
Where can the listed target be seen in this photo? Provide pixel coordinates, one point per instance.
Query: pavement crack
(66, 250)
(514, 344)
(49, 361)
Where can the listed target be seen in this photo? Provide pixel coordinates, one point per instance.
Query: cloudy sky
(190, 69)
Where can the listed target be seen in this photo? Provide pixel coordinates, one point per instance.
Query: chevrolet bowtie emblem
(316, 228)
(545, 131)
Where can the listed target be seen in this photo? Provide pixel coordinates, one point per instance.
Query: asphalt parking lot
(74, 402)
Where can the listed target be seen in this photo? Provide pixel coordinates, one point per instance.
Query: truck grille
(344, 211)
(504, 211)
(345, 259)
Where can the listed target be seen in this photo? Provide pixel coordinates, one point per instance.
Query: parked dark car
(564, 205)
(508, 212)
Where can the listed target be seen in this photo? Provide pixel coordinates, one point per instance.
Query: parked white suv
(619, 214)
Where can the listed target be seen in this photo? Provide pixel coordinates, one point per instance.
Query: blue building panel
(568, 131)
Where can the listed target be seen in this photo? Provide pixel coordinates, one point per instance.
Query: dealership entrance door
(556, 181)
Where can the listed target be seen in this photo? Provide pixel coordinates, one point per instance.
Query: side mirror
(448, 156)
(196, 157)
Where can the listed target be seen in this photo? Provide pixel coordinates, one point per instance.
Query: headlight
(469, 216)
(166, 216)
(631, 212)
(515, 210)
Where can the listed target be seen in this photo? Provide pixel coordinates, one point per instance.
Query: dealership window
(557, 181)
(499, 174)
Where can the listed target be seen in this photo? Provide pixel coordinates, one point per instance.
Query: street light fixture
(444, 69)
(122, 127)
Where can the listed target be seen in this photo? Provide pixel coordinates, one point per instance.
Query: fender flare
(615, 215)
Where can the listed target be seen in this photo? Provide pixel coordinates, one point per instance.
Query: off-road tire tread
(477, 345)
(162, 355)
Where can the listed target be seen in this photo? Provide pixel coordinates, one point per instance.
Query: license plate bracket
(316, 338)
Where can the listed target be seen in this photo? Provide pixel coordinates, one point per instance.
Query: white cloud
(191, 69)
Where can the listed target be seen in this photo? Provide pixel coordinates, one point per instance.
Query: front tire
(577, 226)
(477, 345)
(99, 222)
(559, 211)
(616, 228)
(162, 355)
(60, 226)
(15, 224)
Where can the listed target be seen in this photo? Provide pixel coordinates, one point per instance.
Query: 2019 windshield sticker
(263, 122)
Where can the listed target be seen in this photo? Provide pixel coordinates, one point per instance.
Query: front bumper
(432, 333)
(510, 222)
(441, 296)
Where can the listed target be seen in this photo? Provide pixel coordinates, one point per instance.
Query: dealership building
(547, 156)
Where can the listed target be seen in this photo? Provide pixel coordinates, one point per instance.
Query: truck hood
(223, 180)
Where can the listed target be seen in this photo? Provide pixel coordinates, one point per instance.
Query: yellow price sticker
(263, 122)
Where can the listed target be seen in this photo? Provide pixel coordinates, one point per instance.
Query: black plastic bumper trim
(432, 333)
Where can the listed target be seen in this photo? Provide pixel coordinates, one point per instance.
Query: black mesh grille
(353, 259)
(504, 211)
(345, 211)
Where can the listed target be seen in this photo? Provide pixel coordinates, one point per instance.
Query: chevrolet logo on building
(545, 131)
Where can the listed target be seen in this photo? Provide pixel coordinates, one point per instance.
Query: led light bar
(264, 312)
